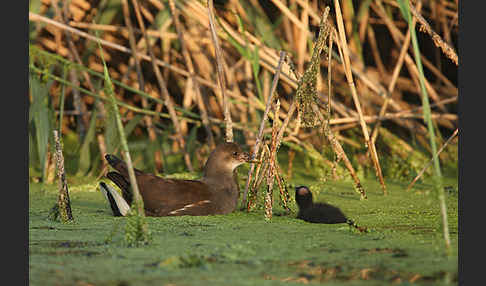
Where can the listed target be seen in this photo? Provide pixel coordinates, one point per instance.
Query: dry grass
(187, 81)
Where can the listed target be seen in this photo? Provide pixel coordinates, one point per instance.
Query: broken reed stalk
(349, 76)
(221, 77)
(419, 175)
(446, 49)
(259, 138)
(63, 201)
(163, 88)
(136, 228)
(190, 68)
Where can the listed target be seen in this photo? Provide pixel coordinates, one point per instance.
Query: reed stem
(221, 76)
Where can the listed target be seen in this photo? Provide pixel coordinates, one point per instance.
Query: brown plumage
(217, 192)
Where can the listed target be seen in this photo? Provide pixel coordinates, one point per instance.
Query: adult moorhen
(217, 192)
(319, 212)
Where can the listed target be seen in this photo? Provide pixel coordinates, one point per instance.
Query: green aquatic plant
(405, 10)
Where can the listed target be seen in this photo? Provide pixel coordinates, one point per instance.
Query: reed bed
(187, 75)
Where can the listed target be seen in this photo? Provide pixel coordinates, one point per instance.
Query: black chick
(319, 212)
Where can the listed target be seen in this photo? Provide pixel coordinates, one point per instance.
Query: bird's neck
(220, 179)
(224, 186)
(216, 171)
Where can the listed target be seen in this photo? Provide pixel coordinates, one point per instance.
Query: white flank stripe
(189, 206)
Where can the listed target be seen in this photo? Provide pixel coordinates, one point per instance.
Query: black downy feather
(319, 212)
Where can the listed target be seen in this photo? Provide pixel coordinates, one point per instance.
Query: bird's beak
(247, 157)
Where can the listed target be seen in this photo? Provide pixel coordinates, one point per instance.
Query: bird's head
(225, 158)
(303, 197)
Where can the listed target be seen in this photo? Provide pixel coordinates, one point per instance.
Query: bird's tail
(352, 223)
(123, 184)
(118, 205)
(120, 165)
(117, 164)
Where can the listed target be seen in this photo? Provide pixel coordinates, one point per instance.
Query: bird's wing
(170, 197)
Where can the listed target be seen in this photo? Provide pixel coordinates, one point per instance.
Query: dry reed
(195, 80)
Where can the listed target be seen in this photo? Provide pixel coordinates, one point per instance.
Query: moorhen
(217, 192)
(319, 212)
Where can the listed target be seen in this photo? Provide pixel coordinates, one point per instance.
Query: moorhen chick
(319, 212)
(217, 192)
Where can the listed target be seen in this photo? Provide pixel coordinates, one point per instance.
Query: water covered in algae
(405, 244)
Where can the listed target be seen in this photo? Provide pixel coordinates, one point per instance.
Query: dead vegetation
(171, 82)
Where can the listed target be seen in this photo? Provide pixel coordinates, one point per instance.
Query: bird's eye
(235, 153)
